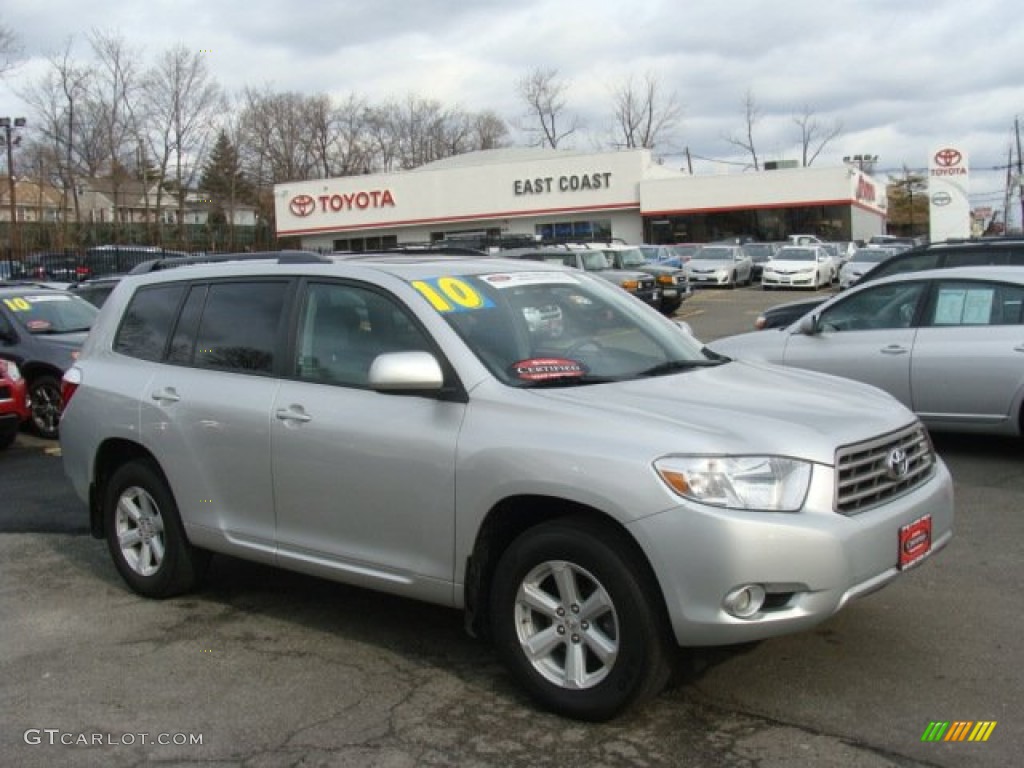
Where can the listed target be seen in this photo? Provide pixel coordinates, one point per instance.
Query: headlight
(772, 483)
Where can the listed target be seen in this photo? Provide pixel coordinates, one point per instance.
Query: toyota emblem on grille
(897, 464)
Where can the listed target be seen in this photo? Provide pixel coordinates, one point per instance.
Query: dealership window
(363, 244)
(575, 230)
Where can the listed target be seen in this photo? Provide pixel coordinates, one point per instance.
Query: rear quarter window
(148, 321)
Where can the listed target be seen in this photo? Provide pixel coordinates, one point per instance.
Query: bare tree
(57, 101)
(751, 117)
(643, 113)
(114, 91)
(351, 149)
(814, 135)
(544, 94)
(10, 49)
(489, 131)
(183, 103)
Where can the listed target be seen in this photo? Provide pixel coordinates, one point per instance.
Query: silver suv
(522, 441)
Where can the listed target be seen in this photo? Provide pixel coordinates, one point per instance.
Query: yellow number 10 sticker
(18, 304)
(450, 294)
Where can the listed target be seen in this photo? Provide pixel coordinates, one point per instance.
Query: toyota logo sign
(942, 198)
(947, 158)
(302, 205)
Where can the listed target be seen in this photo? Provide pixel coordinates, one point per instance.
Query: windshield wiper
(674, 366)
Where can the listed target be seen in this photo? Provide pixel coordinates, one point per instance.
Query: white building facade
(558, 195)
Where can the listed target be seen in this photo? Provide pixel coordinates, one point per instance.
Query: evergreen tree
(222, 177)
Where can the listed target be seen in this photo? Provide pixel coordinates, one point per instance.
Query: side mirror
(412, 371)
(808, 325)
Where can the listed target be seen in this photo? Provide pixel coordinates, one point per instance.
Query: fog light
(743, 602)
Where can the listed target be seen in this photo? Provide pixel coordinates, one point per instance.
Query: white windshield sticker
(517, 279)
(40, 299)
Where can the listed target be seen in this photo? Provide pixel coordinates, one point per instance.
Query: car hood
(787, 264)
(69, 341)
(756, 345)
(740, 408)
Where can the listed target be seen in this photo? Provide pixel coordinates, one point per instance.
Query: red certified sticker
(915, 541)
(542, 368)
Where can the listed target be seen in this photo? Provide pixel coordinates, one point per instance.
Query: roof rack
(281, 257)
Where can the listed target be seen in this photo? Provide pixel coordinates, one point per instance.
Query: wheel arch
(111, 455)
(511, 517)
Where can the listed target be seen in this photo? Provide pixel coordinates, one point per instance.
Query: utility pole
(1020, 171)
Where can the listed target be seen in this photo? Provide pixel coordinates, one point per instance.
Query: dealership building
(557, 194)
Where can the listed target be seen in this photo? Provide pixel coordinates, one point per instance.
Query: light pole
(8, 124)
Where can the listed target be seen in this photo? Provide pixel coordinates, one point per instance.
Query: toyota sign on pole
(948, 204)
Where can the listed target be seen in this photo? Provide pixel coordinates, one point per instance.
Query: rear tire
(145, 536)
(578, 621)
(44, 394)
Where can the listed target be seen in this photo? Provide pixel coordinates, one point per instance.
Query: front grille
(877, 470)
(646, 285)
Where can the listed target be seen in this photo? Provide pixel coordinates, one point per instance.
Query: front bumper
(787, 281)
(810, 563)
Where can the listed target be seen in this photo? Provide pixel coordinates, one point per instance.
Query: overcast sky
(903, 78)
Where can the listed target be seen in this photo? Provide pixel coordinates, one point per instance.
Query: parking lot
(266, 668)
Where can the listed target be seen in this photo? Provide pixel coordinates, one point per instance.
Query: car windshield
(595, 261)
(631, 257)
(554, 328)
(41, 313)
(796, 254)
(712, 253)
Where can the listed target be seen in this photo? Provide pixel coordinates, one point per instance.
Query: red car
(13, 405)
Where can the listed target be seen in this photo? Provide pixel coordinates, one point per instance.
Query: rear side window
(240, 326)
(148, 321)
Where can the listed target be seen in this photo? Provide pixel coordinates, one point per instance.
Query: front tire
(44, 412)
(578, 621)
(145, 536)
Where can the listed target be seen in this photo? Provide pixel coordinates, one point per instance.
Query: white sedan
(798, 266)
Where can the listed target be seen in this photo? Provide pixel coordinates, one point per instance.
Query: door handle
(894, 349)
(294, 413)
(1019, 348)
(166, 395)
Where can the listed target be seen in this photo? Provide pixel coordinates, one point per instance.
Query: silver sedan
(948, 343)
(720, 265)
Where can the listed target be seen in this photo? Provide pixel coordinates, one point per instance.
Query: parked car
(654, 253)
(643, 285)
(55, 267)
(760, 254)
(798, 266)
(946, 343)
(720, 265)
(862, 261)
(96, 290)
(103, 260)
(13, 402)
(672, 281)
(682, 253)
(593, 490)
(996, 251)
(42, 330)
